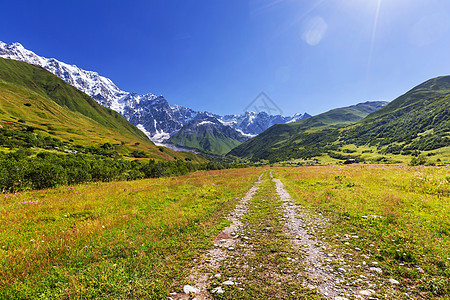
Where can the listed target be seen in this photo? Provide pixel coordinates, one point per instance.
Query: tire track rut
(316, 259)
(212, 259)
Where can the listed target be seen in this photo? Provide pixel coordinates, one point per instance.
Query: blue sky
(218, 55)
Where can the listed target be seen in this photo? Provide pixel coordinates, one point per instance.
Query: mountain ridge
(267, 145)
(150, 113)
(417, 122)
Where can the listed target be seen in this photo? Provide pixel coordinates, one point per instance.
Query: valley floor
(337, 232)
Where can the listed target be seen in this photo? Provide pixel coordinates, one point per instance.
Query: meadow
(395, 216)
(140, 239)
(130, 239)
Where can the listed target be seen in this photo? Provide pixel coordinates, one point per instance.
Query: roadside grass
(133, 239)
(264, 265)
(390, 217)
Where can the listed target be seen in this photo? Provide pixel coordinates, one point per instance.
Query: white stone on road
(217, 290)
(393, 281)
(187, 289)
(378, 270)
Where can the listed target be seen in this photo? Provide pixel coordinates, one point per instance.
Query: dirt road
(273, 249)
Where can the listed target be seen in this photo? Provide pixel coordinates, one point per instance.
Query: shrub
(420, 160)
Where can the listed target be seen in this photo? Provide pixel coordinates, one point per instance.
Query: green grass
(140, 239)
(119, 240)
(410, 234)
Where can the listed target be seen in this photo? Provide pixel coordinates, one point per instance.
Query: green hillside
(280, 142)
(35, 104)
(339, 117)
(208, 137)
(414, 128)
(416, 121)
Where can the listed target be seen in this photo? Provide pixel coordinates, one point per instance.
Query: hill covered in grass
(416, 123)
(280, 141)
(39, 110)
(209, 136)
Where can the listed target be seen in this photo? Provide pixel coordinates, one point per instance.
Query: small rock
(217, 290)
(218, 276)
(228, 282)
(340, 298)
(378, 270)
(365, 292)
(342, 270)
(187, 289)
(393, 281)
(172, 294)
(231, 248)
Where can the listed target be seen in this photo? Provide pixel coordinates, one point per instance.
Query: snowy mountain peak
(102, 89)
(253, 123)
(150, 113)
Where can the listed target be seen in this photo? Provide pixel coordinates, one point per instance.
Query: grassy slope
(418, 119)
(214, 138)
(38, 98)
(339, 117)
(206, 141)
(281, 135)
